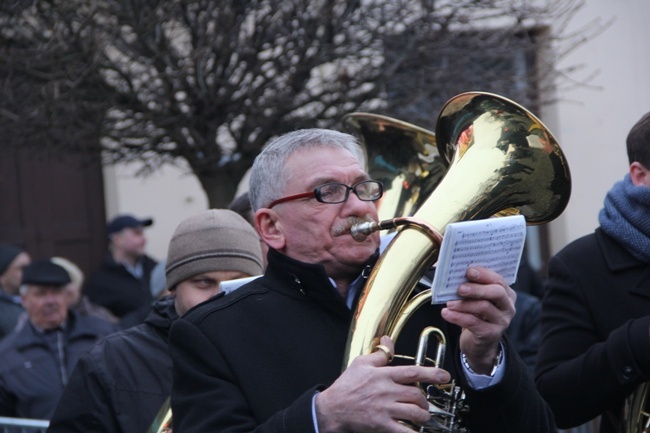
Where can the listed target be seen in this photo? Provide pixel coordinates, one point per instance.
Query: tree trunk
(220, 185)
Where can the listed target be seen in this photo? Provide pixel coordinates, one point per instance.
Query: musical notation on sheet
(495, 243)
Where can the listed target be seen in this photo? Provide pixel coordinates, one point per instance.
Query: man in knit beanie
(214, 241)
(205, 250)
(12, 261)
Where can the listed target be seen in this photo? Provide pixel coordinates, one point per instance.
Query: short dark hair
(638, 142)
(242, 205)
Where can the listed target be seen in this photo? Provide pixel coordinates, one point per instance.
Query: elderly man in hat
(36, 361)
(122, 284)
(205, 250)
(12, 261)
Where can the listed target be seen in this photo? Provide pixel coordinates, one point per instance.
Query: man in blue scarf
(595, 348)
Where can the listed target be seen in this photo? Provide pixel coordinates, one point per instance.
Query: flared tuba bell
(403, 156)
(502, 161)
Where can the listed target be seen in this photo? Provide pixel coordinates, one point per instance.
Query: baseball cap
(121, 222)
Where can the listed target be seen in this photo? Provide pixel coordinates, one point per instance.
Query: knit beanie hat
(8, 253)
(214, 240)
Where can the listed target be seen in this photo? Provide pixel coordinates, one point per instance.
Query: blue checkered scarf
(626, 217)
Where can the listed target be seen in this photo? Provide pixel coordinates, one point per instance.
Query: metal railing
(590, 427)
(22, 425)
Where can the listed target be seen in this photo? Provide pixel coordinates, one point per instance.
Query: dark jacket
(10, 311)
(121, 384)
(595, 346)
(112, 286)
(31, 377)
(524, 331)
(252, 360)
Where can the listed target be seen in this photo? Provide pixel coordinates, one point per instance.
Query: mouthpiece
(361, 231)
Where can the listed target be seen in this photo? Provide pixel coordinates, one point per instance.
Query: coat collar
(29, 336)
(8, 299)
(616, 256)
(296, 278)
(304, 281)
(162, 315)
(618, 260)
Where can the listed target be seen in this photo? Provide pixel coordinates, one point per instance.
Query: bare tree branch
(211, 82)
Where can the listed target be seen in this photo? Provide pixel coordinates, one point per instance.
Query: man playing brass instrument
(268, 357)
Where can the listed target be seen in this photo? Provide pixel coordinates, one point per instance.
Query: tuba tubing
(636, 416)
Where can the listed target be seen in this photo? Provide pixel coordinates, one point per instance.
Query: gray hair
(268, 175)
(76, 274)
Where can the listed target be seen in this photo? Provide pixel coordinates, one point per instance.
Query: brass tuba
(502, 161)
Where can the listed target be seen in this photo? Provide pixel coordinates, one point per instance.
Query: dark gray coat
(10, 311)
(31, 376)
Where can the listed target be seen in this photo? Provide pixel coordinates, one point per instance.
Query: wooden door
(53, 206)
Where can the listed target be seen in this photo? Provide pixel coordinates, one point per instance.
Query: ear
(269, 228)
(23, 300)
(639, 175)
(115, 238)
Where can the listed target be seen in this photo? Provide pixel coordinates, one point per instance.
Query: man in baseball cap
(122, 284)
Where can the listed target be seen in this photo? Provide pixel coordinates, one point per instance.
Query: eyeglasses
(335, 192)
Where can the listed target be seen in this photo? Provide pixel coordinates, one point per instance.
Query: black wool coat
(113, 287)
(252, 360)
(595, 346)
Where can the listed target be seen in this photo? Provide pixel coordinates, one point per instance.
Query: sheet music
(495, 243)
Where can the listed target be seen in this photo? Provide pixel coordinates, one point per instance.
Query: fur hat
(45, 273)
(214, 240)
(8, 253)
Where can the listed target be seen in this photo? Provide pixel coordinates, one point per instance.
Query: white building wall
(590, 123)
(168, 196)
